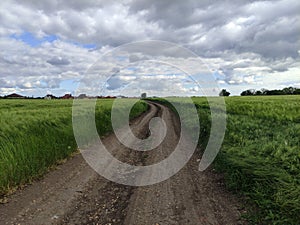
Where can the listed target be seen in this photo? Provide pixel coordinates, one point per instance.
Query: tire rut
(189, 197)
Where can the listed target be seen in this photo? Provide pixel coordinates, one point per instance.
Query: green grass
(36, 134)
(260, 155)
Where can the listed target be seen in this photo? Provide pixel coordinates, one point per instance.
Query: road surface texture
(75, 194)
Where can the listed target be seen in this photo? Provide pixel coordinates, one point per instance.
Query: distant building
(67, 96)
(14, 95)
(49, 97)
(81, 96)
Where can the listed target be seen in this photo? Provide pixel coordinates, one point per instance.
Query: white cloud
(249, 43)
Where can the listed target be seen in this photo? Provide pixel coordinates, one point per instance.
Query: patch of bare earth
(75, 194)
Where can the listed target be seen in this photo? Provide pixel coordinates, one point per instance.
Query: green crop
(36, 134)
(260, 154)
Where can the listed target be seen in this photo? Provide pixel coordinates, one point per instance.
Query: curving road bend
(75, 194)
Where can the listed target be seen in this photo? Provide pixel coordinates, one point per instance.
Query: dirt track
(75, 194)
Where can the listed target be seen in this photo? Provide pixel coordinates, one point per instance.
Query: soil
(74, 193)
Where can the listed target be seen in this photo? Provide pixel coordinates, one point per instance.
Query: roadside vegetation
(37, 134)
(260, 155)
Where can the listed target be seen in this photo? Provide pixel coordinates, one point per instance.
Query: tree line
(263, 91)
(284, 91)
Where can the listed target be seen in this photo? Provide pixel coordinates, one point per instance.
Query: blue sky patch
(32, 40)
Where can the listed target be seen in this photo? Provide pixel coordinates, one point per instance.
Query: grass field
(260, 155)
(37, 134)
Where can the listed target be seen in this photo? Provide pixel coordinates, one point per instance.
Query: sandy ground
(75, 194)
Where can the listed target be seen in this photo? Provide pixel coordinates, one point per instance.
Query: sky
(52, 47)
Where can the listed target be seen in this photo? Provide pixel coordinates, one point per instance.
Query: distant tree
(143, 95)
(248, 92)
(224, 92)
(284, 91)
(289, 90)
(264, 91)
(275, 92)
(297, 91)
(258, 92)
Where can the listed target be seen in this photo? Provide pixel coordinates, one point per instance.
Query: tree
(274, 92)
(224, 92)
(258, 92)
(289, 90)
(143, 95)
(297, 91)
(263, 91)
(248, 92)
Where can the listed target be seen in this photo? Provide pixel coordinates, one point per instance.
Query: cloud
(116, 82)
(42, 67)
(246, 41)
(58, 61)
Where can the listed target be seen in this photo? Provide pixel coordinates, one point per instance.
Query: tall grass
(36, 134)
(260, 155)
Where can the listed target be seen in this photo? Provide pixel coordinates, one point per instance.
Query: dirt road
(75, 194)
